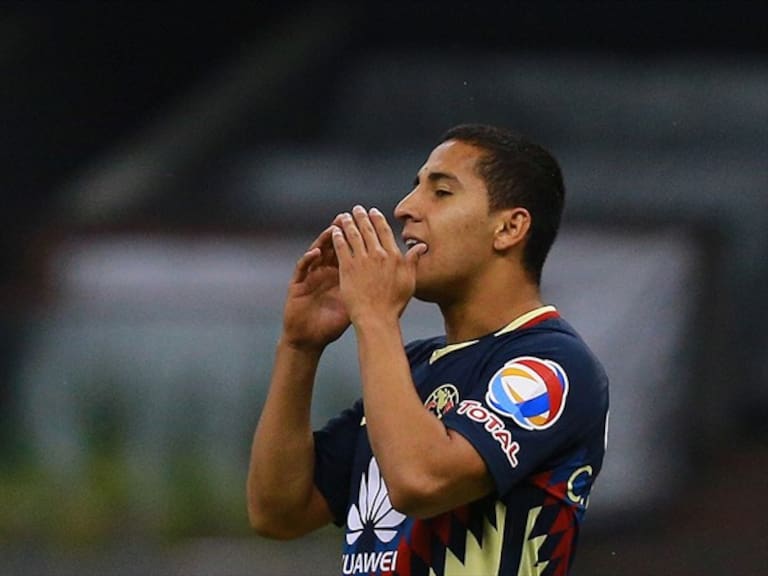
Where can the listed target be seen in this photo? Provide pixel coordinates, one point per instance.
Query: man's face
(448, 211)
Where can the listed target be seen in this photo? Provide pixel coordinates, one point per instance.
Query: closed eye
(442, 193)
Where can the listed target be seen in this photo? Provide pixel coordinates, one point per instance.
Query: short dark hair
(519, 173)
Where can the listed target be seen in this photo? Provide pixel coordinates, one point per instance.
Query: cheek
(468, 234)
(461, 239)
(461, 251)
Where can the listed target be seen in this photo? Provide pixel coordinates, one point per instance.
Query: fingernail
(376, 211)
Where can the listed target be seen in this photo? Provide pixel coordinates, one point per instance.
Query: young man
(469, 453)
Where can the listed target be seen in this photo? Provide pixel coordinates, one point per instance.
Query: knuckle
(380, 253)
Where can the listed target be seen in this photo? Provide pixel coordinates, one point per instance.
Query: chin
(429, 293)
(423, 297)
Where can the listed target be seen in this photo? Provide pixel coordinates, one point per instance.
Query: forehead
(453, 157)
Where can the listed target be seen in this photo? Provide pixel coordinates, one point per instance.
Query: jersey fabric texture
(533, 401)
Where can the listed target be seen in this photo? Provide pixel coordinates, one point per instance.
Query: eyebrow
(437, 176)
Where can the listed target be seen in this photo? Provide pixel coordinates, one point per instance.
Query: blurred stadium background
(164, 164)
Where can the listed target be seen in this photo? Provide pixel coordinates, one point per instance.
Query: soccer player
(469, 453)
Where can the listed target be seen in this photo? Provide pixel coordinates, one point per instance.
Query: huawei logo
(373, 510)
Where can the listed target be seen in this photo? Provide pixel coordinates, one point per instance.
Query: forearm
(280, 476)
(403, 434)
(428, 468)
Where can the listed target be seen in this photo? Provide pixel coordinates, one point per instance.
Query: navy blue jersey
(533, 401)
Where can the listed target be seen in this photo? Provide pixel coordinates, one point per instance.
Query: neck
(488, 311)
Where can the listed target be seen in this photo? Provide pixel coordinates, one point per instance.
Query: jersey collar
(529, 319)
(525, 321)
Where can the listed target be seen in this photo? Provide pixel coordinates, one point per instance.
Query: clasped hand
(376, 279)
(353, 270)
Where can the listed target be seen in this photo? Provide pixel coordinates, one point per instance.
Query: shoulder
(554, 340)
(552, 356)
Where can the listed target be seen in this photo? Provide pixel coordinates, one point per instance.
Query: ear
(511, 229)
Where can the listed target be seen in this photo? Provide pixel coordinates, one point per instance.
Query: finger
(327, 253)
(367, 230)
(340, 244)
(325, 245)
(304, 263)
(322, 240)
(383, 231)
(352, 234)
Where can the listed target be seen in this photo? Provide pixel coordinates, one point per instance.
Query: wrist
(370, 323)
(299, 348)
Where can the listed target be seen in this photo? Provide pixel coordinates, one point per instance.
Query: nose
(405, 208)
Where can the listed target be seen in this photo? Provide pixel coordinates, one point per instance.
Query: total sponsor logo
(477, 412)
(529, 390)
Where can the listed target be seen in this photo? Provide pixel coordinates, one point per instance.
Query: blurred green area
(107, 502)
(137, 433)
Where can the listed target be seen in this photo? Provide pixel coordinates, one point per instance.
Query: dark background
(80, 77)
(85, 83)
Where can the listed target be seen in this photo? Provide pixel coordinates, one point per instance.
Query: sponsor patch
(369, 562)
(529, 390)
(494, 425)
(373, 510)
(579, 484)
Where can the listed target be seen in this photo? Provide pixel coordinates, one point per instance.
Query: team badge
(529, 390)
(442, 399)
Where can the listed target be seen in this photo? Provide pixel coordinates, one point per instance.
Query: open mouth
(411, 242)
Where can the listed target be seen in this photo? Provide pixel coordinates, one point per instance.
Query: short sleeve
(334, 450)
(525, 410)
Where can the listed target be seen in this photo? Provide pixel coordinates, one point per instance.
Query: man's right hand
(314, 315)
(283, 500)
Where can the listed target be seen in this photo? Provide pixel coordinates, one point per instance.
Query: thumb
(414, 253)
